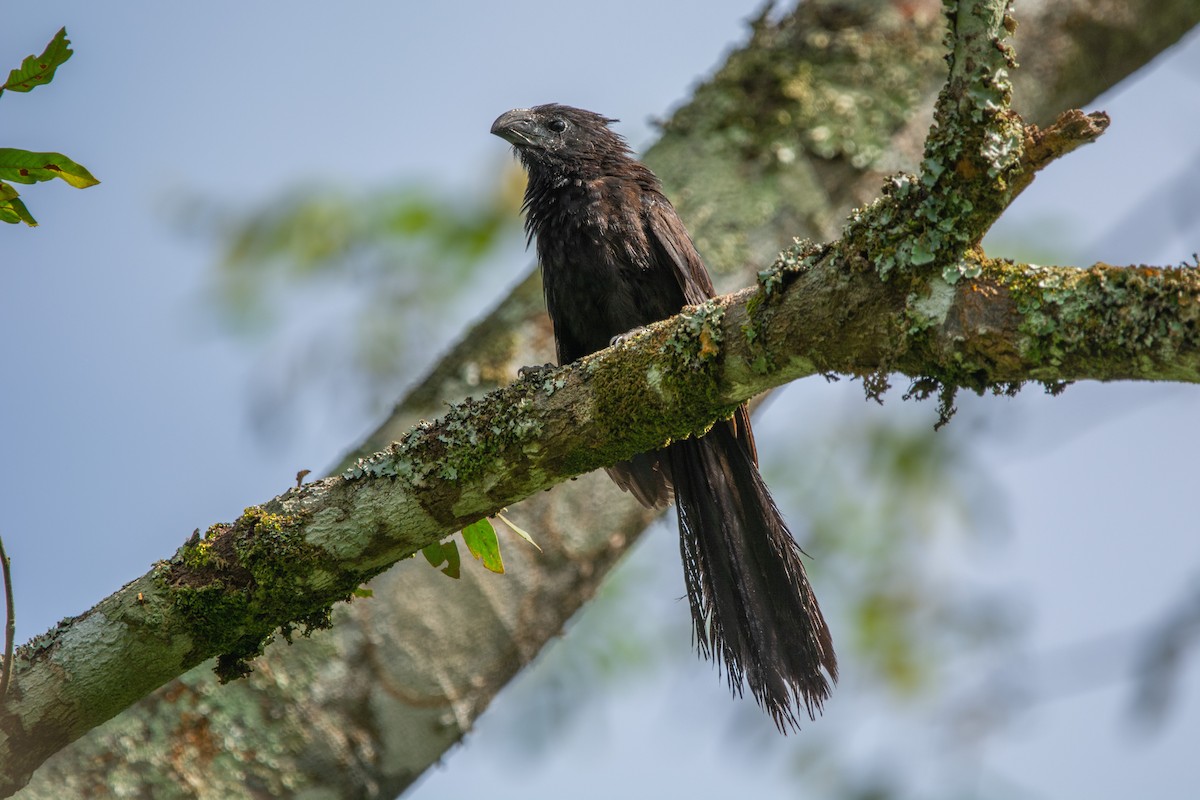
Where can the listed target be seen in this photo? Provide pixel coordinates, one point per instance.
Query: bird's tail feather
(752, 604)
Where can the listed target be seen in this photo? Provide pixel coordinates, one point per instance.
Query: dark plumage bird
(615, 256)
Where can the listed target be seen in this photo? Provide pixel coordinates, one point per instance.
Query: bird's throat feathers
(563, 182)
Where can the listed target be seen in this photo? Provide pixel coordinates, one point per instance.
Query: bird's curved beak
(515, 127)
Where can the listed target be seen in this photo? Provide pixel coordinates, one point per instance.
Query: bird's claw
(533, 372)
(622, 338)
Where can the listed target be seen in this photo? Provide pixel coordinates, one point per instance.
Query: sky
(124, 417)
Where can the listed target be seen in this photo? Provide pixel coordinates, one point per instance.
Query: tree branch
(282, 565)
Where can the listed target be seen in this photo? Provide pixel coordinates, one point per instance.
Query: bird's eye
(557, 125)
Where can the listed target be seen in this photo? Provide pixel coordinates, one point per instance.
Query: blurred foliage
(385, 266)
(1163, 657)
(905, 502)
(23, 166)
(315, 233)
(617, 640)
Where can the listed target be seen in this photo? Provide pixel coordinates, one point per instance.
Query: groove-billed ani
(615, 257)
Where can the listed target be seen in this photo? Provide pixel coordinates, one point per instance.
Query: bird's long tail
(752, 604)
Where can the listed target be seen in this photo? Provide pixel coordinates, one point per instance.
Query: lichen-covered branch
(771, 148)
(1009, 324)
(280, 566)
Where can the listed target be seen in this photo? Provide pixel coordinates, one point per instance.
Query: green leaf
(38, 70)
(12, 210)
(363, 591)
(482, 542)
(518, 531)
(444, 553)
(22, 166)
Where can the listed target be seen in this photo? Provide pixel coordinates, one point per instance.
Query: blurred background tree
(386, 271)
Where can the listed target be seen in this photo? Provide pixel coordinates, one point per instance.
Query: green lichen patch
(677, 393)
(471, 453)
(234, 589)
(795, 259)
(397, 461)
(474, 434)
(696, 341)
(1087, 319)
(971, 171)
(887, 233)
(466, 442)
(929, 310)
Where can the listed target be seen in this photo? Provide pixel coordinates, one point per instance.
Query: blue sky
(124, 416)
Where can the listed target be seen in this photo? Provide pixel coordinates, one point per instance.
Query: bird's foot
(622, 338)
(534, 372)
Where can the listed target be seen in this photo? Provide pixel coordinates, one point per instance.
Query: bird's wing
(674, 249)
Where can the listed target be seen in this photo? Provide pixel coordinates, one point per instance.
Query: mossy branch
(281, 565)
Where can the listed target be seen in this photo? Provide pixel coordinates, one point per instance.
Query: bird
(615, 257)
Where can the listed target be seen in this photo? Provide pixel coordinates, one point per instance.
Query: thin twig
(10, 629)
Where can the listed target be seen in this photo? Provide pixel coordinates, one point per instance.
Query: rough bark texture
(764, 152)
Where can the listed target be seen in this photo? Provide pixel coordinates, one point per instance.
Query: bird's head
(554, 135)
